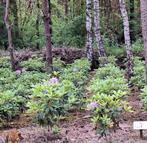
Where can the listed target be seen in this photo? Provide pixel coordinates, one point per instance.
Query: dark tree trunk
(144, 29)
(47, 27)
(132, 10)
(37, 25)
(9, 31)
(14, 11)
(2, 25)
(66, 7)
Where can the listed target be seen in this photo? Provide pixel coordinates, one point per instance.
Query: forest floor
(79, 129)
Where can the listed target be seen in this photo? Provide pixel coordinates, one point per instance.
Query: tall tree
(9, 31)
(89, 30)
(47, 29)
(132, 12)
(37, 24)
(3, 35)
(127, 38)
(14, 11)
(97, 32)
(144, 29)
(66, 7)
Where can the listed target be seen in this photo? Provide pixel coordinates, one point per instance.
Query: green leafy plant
(4, 62)
(144, 96)
(58, 64)
(33, 64)
(137, 46)
(51, 100)
(77, 72)
(24, 83)
(110, 70)
(7, 78)
(138, 77)
(107, 104)
(10, 105)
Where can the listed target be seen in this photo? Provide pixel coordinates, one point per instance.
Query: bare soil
(78, 128)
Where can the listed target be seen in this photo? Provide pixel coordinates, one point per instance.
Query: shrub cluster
(52, 99)
(16, 87)
(138, 77)
(109, 89)
(33, 64)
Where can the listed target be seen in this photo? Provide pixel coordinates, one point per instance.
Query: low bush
(33, 64)
(137, 46)
(10, 105)
(58, 64)
(105, 60)
(7, 78)
(54, 98)
(4, 62)
(77, 72)
(138, 77)
(107, 104)
(109, 70)
(51, 100)
(21, 86)
(144, 96)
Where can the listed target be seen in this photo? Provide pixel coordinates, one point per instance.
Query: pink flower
(54, 80)
(18, 72)
(92, 105)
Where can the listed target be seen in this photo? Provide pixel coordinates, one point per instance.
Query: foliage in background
(68, 29)
(137, 46)
(70, 33)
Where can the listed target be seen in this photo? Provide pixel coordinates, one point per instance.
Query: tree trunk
(9, 31)
(37, 24)
(89, 30)
(47, 27)
(127, 38)
(144, 29)
(97, 32)
(132, 10)
(14, 11)
(66, 7)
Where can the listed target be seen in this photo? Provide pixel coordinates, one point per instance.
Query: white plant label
(140, 125)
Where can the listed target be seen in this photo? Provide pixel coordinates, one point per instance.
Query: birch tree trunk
(99, 41)
(127, 38)
(9, 32)
(144, 29)
(89, 30)
(47, 27)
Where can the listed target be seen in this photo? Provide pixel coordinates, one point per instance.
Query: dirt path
(79, 129)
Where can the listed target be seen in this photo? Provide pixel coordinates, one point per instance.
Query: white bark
(97, 32)
(127, 37)
(89, 30)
